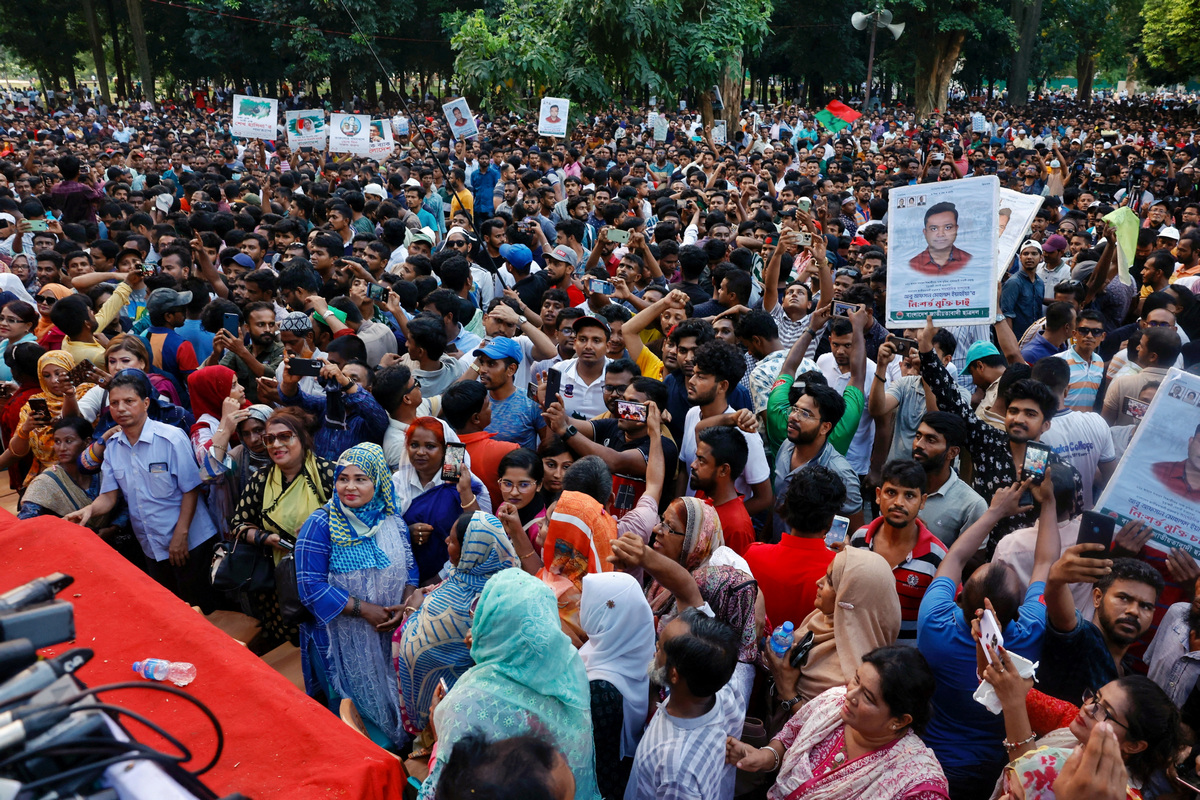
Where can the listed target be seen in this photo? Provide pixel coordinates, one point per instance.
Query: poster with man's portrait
(1016, 218)
(552, 117)
(1157, 481)
(381, 139)
(350, 133)
(459, 118)
(942, 252)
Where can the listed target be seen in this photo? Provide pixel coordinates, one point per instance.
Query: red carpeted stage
(278, 742)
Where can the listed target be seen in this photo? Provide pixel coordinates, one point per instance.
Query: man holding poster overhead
(940, 257)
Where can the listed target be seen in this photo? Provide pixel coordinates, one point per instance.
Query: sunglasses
(285, 438)
(456, 243)
(48, 299)
(1089, 332)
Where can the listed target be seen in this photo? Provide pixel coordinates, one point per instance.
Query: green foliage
(1170, 39)
(590, 52)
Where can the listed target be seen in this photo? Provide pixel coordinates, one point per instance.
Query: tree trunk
(732, 85)
(1131, 75)
(118, 60)
(1085, 70)
(137, 29)
(93, 24)
(935, 66)
(1027, 15)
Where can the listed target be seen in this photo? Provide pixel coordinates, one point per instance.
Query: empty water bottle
(179, 673)
(781, 639)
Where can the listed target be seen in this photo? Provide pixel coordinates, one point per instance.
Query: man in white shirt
(1081, 438)
(582, 382)
(835, 366)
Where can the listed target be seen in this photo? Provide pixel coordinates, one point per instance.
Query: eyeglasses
(614, 388)
(662, 525)
(284, 438)
(11, 320)
(416, 385)
(48, 299)
(803, 413)
(1089, 332)
(456, 243)
(569, 332)
(1097, 710)
(1158, 324)
(523, 486)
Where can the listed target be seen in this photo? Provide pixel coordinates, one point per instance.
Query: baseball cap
(165, 299)
(1168, 232)
(566, 255)
(859, 241)
(516, 254)
(980, 350)
(241, 259)
(163, 202)
(252, 199)
(590, 321)
(500, 348)
(8, 219)
(1031, 243)
(1054, 244)
(374, 189)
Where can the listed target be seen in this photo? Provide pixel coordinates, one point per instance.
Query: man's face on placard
(941, 230)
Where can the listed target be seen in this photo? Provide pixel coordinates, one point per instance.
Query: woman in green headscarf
(527, 678)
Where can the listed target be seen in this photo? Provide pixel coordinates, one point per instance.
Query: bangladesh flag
(837, 115)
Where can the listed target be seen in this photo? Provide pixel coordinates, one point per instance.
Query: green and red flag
(837, 115)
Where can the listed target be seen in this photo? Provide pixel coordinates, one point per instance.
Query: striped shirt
(1085, 379)
(684, 759)
(913, 574)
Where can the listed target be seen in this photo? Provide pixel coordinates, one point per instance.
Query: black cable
(103, 764)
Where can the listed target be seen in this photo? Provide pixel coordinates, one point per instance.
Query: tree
(598, 52)
(1027, 15)
(1170, 39)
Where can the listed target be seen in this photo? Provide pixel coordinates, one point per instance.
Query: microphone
(15, 733)
(44, 673)
(38, 590)
(15, 656)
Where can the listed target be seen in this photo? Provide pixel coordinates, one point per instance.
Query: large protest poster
(381, 143)
(254, 117)
(1016, 216)
(306, 128)
(350, 133)
(459, 118)
(1157, 481)
(660, 125)
(552, 116)
(942, 252)
(718, 132)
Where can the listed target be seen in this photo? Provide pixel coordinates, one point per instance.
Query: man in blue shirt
(967, 737)
(483, 185)
(1021, 297)
(1060, 327)
(152, 464)
(515, 418)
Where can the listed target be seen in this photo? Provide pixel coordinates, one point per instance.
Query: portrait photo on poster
(459, 117)
(552, 116)
(942, 252)
(1157, 481)
(1015, 217)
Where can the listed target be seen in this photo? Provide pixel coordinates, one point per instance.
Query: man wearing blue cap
(986, 365)
(528, 286)
(515, 418)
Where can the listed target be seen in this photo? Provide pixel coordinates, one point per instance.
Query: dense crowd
(533, 445)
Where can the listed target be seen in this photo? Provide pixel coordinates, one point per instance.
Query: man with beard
(913, 553)
(260, 359)
(951, 506)
(1078, 656)
(717, 368)
(563, 327)
(582, 387)
(721, 454)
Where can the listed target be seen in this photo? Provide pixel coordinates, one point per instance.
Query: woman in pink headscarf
(688, 533)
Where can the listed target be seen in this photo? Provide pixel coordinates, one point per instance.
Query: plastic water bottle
(179, 673)
(781, 639)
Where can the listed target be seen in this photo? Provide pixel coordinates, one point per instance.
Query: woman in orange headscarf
(60, 398)
(48, 335)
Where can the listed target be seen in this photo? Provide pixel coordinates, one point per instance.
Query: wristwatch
(788, 705)
(571, 431)
(522, 319)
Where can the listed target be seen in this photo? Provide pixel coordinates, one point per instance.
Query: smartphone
(938, 157)
(377, 291)
(443, 686)
(631, 411)
(38, 225)
(804, 238)
(903, 345)
(148, 269)
(531, 390)
(1096, 528)
(838, 530)
(619, 236)
(1037, 457)
(990, 634)
(40, 408)
(841, 309)
(232, 324)
(553, 384)
(452, 466)
(1135, 408)
(305, 367)
(80, 371)
(804, 204)
(600, 287)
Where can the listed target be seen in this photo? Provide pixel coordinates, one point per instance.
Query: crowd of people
(533, 445)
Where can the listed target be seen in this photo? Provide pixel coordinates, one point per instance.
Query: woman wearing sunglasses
(47, 333)
(276, 502)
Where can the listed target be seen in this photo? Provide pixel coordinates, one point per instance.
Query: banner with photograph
(660, 125)
(718, 132)
(552, 116)
(1016, 216)
(1157, 481)
(460, 119)
(306, 128)
(350, 133)
(942, 252)
(381, 144)
(254, 117)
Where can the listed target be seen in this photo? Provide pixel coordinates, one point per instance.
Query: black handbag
(291, 609)
(240, 567)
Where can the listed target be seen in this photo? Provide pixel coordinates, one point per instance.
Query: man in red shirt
(912, 551)
(468, 409)
(787, 573)
(721, 454)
